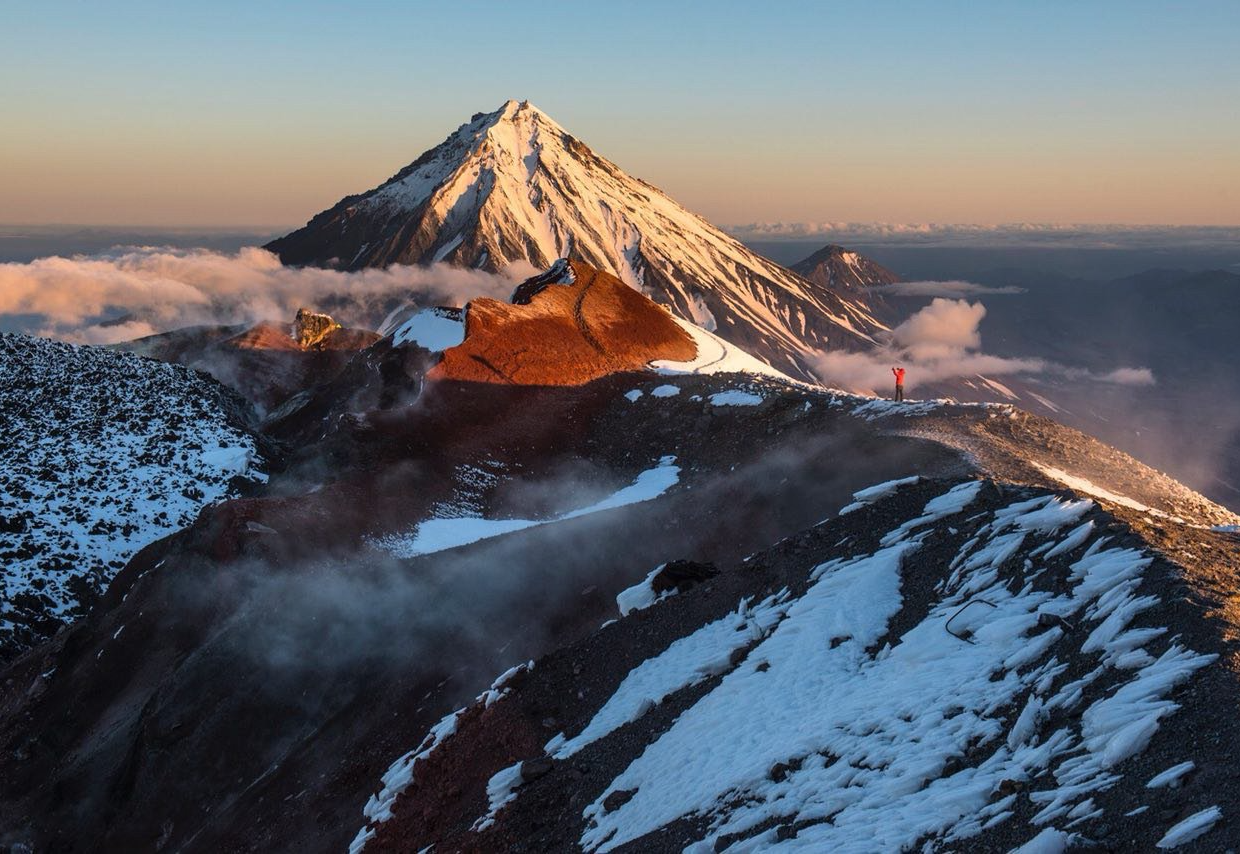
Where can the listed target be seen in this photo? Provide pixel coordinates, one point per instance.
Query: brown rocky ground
(568, 327)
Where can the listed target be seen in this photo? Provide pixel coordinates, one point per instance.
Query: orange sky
(240, 114)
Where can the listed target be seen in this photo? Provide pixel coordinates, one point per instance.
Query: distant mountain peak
(844, 271)
(514, 186)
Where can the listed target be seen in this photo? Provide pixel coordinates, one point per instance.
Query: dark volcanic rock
(682, 575)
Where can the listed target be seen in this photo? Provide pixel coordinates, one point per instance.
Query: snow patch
(715, 356)
(641, 595)
(735, 397)
(438, 534)
(877, 492)
(1171, 776)
(431, 329)
(862, 735)
(1190, 828)
(705, 653)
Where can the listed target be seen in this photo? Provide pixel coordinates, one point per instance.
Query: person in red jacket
(899, 372)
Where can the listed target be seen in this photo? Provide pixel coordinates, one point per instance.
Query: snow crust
(438, 534)
(705, 653)
(864, 736)
(1171, 776)
(399, 775)
(432, 329)
(1080, 484)
(869, 495)
(715, 356)
(1190, 828)
(101, 453)
(640, 595)
(1048, 841)
(735, 397)
(501, 789)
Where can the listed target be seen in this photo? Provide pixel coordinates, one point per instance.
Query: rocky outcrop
(311, 327)
(267, 362)
(568, 326)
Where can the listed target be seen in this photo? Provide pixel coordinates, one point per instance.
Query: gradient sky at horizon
(228, 113)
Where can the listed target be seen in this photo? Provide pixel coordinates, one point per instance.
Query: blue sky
(258, 113)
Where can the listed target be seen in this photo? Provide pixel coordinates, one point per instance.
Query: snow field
(872, 741)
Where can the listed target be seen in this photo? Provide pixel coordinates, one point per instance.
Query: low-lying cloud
(978, 235)
(138, 291)
(953, 289)
(943, 341)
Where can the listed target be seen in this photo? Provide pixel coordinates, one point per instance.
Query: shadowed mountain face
(514, 186)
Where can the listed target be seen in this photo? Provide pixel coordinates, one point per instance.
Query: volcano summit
(513, 186)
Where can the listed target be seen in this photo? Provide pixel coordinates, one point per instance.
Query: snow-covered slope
(949, 666)
(513, 185)
(100, 454)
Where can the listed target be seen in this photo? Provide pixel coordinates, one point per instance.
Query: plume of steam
(137, 291)
(942, 341)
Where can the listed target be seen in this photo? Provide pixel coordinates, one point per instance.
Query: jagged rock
(681, 575)
(618, 799)
(311, 327)
(532, 769)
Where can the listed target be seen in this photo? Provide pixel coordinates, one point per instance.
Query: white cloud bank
(1049, 235)
(943, 341)
(951, 288)
(142, 290)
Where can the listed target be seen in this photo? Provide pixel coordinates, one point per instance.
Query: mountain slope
(513, 186)
(962, 665)
(282, 674)
(568, 326)
(101, 453)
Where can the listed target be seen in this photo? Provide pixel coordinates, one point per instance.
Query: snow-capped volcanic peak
(514, 186)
